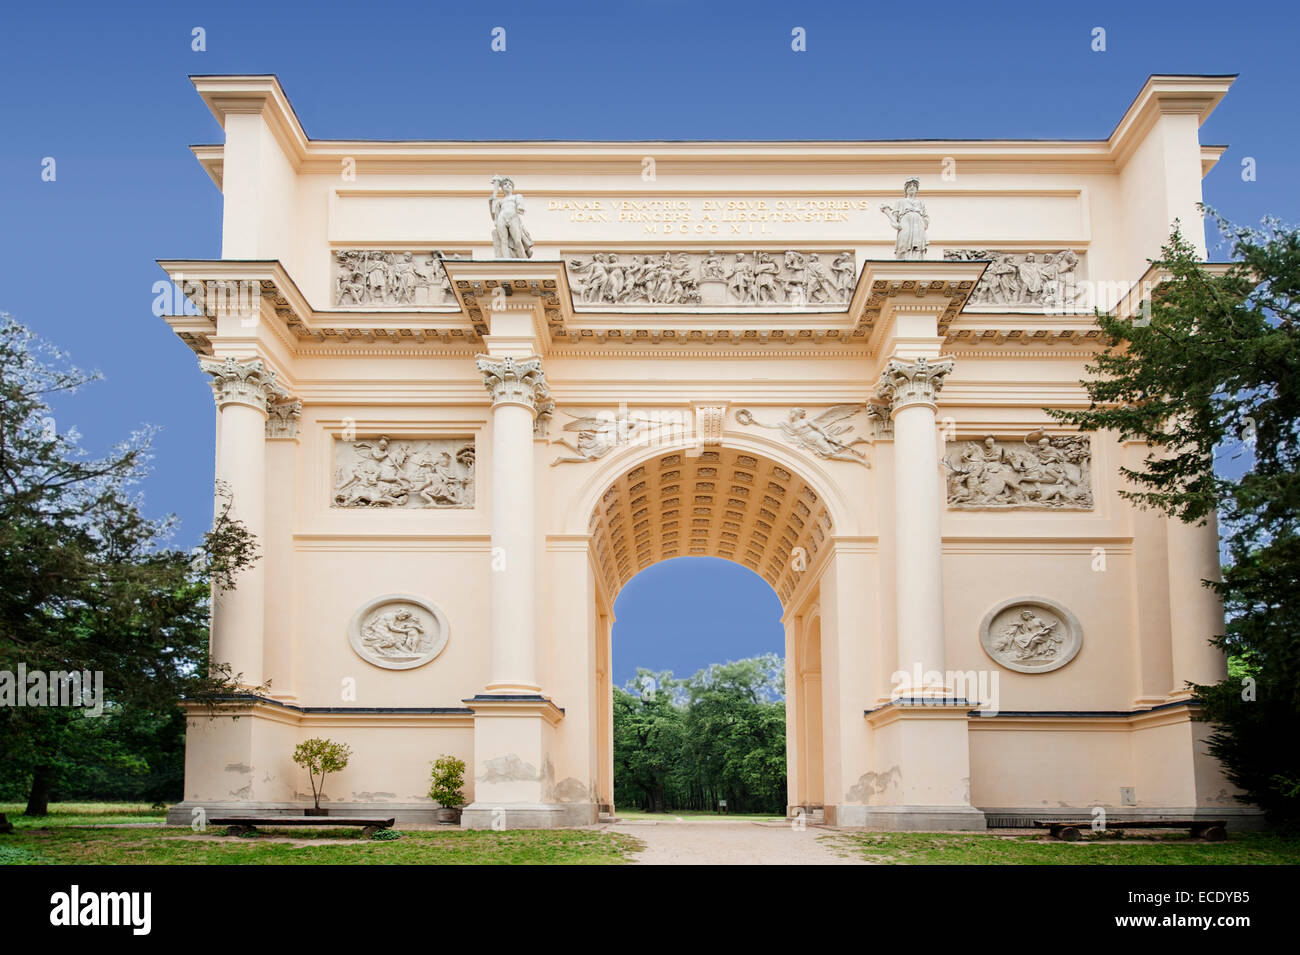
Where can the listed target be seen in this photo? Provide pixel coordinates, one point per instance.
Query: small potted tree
(448, 777)
(320, 757)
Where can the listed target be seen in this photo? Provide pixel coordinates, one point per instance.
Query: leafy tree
(647, 740)
(320, 757)
(1214, 378)
(87, 581)
(686, 744)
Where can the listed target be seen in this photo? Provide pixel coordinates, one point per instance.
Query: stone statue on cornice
(910, 220)
(510, 239)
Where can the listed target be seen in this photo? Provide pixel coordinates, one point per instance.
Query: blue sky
(103, 89)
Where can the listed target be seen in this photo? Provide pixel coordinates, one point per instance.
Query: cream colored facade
(503, 561)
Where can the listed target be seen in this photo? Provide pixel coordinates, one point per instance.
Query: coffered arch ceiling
(721, 502)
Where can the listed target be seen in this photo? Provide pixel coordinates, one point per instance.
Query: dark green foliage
(685, 744)
(1213, 383)
(88, 583)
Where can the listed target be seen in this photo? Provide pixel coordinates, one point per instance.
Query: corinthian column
(243, 392)
(519, 395)
(908, 389)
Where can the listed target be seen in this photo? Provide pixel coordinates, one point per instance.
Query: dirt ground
(678, 841)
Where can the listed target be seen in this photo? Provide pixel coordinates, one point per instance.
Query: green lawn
(922, 848)
(67, 837)
(85, 814)
(90, 833)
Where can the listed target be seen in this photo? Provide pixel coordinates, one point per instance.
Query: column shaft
(917, 541)
(242, 391)
(519, 394)
(909, 388)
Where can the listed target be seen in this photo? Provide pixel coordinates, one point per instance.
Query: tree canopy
(89, 583)
(1211, 379)
(685, 744)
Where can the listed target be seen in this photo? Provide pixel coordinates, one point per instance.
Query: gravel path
(714, 842)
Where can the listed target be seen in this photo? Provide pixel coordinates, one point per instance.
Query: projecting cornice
(1161, 94)
(884, 290)
(241, 288)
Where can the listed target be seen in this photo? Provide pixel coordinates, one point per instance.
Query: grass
(85, 814)
(924, 848)
(79, 834)
(92, 834)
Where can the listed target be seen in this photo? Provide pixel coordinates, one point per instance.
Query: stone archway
(737, 504)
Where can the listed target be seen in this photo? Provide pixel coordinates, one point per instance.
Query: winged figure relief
(597, 435)
(828, 435)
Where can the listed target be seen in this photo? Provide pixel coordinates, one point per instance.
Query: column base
(921, 778)
(479, 815)
(908, 818)
(514, 774)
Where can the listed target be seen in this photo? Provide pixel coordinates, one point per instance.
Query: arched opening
(699, 692)
(739, 506)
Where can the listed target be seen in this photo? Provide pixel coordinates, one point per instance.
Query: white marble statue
(911, 222)
(510, 238)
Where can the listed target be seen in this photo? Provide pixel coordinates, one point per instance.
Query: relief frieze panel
(380, 472)
(754, 279)
(388, 277)
(1048, 472)
(1049, 280)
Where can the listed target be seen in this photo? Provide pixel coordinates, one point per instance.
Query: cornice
(1160, 94)
(1165, 95)
(883, 289)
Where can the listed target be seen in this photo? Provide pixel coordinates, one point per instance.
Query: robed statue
(910, 221)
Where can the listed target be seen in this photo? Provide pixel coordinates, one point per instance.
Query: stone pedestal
(923, 750)
(514, 776)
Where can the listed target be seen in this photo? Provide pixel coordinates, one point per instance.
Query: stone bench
(1211, 830)
(239, 825)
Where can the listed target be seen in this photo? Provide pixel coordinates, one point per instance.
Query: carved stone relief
(1049, 472)
(282, 419)
(248, 383)
(1047, 279)
(1031, 635)
(398, 632)
(387, 277)
(904, 383)
(593, 433)
(753, 279)
(379, 472)
(825, 435)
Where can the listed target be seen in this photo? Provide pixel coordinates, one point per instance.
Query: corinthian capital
(248, 383)
(282, 419)
(516, 380)
(904, 383)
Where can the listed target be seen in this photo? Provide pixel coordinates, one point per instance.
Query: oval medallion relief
(1031, 635)
(398, 632)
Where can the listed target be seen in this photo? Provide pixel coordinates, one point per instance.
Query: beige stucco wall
(287, 199)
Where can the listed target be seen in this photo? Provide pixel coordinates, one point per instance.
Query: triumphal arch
(466, 390)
